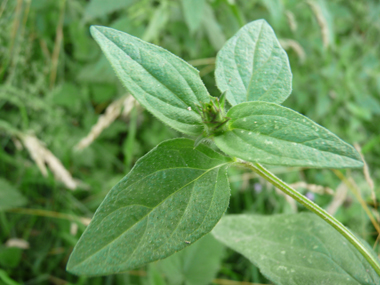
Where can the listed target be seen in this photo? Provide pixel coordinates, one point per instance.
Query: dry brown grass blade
(321, 22)
(318, 189)
(339, 198)
(356, 191)
(17, 242)
(16, 24)
(51, 214)
(202, 61)
(294, 45)
(367, 176)
(41, 155)
(291, 20)
(376, 243)
(206, 70)
(290, 200)
(112, 112)
(128, 104)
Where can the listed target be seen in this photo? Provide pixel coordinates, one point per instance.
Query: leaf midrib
(285, 156)
(253, 63)
(294, 122)
(250, 238)
(148, 175)
(143, 217)
(150, 73)
(208, 210)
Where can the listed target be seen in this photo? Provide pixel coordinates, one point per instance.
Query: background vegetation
(55, 85)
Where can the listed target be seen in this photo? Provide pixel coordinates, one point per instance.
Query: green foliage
(195, 265)
(173, 196)
(10, 197)
(272, 134)
(98, 8)
(295, 249)
(335, 65)
(163, 83)
(193, 12)
(252, 66)
(178, 192)
(10, 256)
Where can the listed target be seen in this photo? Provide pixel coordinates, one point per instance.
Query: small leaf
(252, 66)
(295, 249)
(162, 82)
(195, 265)
(193, 12)
(10, 197)
(172, 197)
(271, 134)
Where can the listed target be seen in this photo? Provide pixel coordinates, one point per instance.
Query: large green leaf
(252, 66)
(162, 82)
(296, 249)
(271, 134)
(10, 197)
(195, 265)
(172, 197)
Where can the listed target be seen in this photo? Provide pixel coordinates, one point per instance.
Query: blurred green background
(55, 85)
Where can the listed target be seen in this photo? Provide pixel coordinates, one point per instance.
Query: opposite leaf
(162, 82)
(296, 249)
(271, 134)
(172, 197)
(252, 66)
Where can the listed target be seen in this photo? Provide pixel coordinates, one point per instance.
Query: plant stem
(51, 214)
(277, 182)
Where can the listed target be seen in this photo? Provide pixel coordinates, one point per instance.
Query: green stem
(270, 177)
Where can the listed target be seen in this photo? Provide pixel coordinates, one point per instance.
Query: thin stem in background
(57, 45)
(267, 175)
(202, 61)
(352, 186)
(367, 176)
(51, 214)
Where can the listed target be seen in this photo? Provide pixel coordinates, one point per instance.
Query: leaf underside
(271, 134)
(252, 66)
(296, 249)
(160, 81)
(172, 197)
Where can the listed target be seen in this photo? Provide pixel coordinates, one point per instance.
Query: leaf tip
(70, 268)
(75, 265)
(358, 163)
(95, 30)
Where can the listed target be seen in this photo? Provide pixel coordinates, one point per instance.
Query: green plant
(179, 191)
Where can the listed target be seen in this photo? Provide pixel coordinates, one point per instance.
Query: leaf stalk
(277, 182)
